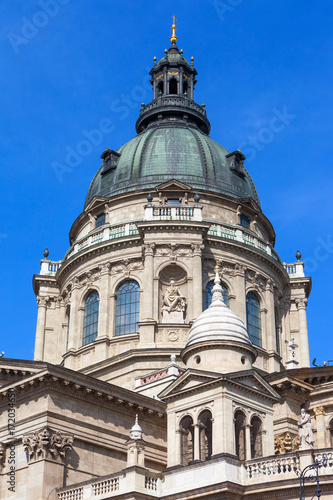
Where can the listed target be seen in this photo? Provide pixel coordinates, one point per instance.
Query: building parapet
(173, 212)
(295, 270)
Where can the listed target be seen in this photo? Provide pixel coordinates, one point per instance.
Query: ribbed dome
(172, 151)
(218, 323)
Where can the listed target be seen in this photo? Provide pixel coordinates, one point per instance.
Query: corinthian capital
(301, 303)
(47, 444)
(148, 249)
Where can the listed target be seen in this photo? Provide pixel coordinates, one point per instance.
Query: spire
(173, 38)
(136, 431)
(217, 289)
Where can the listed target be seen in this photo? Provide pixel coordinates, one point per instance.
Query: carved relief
(286, 443)
(305, 430)
(46, 443)
(126, 266)
(173, 336)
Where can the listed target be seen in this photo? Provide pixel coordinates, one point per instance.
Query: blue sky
(68, 66)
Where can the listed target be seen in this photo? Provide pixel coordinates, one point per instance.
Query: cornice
(73, 384)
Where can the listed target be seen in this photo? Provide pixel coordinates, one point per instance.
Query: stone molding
(46, 443)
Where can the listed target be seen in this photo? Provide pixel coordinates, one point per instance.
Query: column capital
(301, 303)
(197, 249)
(319, 410)
(42, 301)
(148, 249)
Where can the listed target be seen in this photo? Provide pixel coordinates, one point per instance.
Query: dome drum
(219, 356)
(173, 106)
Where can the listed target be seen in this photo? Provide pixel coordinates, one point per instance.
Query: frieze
(47, 443)
(126, 266)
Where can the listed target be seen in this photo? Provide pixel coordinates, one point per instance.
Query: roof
(172, 150)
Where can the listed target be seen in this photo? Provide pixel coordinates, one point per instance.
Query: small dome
(218, 323)
(136, 431)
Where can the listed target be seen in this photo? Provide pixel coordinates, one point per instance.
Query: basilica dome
(172, 150)
(173, 142)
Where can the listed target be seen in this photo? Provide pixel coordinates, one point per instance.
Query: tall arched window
(206, 437)
(331, 432)
(256, 437)
(90, 319)
(277, 330)
(240, 435)
(208, 297)
(186, 440)
(253, 318)
(173, 86)
(127, 308)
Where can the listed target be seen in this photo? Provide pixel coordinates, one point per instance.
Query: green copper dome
(166, 152)
(172, 143)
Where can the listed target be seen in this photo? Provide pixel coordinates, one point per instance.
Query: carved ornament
(47, 443)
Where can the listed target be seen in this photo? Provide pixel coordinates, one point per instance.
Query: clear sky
(68, 65)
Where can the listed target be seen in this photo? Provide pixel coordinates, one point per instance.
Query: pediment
(172, 185)
(250, 203)
(97, 200)
(189, 380)
(252, 380)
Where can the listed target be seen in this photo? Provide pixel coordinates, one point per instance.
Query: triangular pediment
(254, 381)
(172, 185)
(250, 203)
(97, 200)
(189, 380)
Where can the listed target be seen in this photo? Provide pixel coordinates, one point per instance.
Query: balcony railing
(173, 212)
(261, 469)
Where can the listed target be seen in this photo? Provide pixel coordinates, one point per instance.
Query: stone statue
(305, 430)
(292, 348)
(173, 300)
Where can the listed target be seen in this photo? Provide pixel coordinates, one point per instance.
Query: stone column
(147, 323)
(285, 329)
(148, 283)
(303, 332)
(247, 442)
(40, 330)
(239, 283)
(166, 90)
(74, 316)
(181, 71)
(196, 454)
(320, 414)
(178, 446)
(103, 314)
(197, 280)
(270, 320)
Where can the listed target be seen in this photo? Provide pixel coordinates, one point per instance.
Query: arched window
(173, 86)
(161, 88)
(208, 298)
(127, 308)
(240, 434)
(205, 429)
(186, 440)
(90, 319)
(256, 437)
(331, 432)
(253, 318)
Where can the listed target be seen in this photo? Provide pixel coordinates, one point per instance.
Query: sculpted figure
(173, 300)
(305, 430)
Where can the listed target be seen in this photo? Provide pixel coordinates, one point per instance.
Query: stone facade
(217, 417)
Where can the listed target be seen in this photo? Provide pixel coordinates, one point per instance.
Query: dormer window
(100, 220)
(244, 221)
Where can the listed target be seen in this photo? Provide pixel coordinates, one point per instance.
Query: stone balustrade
(178, 213)
(272, 468)
(173, 212)
(130, 480)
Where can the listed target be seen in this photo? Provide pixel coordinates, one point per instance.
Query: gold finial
(217, 267)
(173, 38)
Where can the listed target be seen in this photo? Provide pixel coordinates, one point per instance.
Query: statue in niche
(173, 299)
(305, 430)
